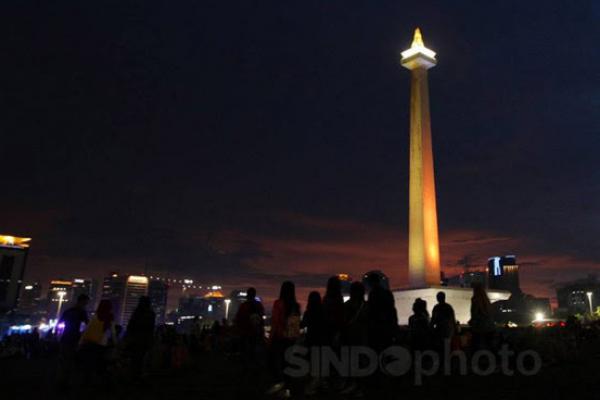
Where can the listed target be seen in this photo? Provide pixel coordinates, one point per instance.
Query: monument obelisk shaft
(423, 244)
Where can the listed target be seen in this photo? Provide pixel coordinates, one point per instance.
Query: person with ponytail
(285, 330)
(482, 321)
(96, 338)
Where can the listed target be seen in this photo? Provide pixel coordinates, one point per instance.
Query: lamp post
(589, 296)
(61, 297)
(227, 302)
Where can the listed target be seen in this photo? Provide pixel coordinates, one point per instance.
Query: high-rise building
(113, 289)
(580, 296)
(215, 305)
(13, 257)
(236, 298)
(191, 306)
(60, 293)
(30, 298)
(158, 292)
(89, 287)
(136, 287)
(503, 274)
(467, 279)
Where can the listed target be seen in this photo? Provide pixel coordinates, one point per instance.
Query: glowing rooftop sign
(13, 241)
(142, 280)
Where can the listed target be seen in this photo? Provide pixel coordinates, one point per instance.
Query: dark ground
(217, 377)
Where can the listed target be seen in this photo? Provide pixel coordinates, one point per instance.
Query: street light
(61, 296)
(227, 301)
(589, 296)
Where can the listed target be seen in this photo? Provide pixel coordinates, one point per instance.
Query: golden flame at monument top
(418, 48)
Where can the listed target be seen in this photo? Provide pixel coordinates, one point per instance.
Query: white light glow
(417, 49)
(539, 316)
(138, 279)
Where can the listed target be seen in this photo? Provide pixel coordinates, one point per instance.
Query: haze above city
(186, 143)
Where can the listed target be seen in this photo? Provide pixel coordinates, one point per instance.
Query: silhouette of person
(94, 343)
(482, 320)
(333, 311)
(250, 328)
(285, 330)
(314, 320)
(382, 316)
(139, 335)
(443, 320)
(355, 316)
(355, 333)
(418, 324)
(72, 318)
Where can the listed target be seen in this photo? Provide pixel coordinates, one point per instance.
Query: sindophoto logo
(363, 361)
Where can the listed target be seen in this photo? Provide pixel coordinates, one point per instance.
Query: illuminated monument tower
(423, 246)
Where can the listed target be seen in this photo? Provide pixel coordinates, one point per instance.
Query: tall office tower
(580, 296)
(236, 298)
(503, 274)
(60, 293)
(29, 299)
(136, 287)
(13, 257)
(113, 289)
(158, 292)
(89, 287)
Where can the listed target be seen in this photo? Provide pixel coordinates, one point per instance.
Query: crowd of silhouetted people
(103, 351)
(367, 318)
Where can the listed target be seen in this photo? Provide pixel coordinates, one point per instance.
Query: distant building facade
(13, 258)
(113, 289)
(467, 279)
(158, 291)
(59, 296)
(503, 274)
(136, 287)
(573, 297)
(89, 287)
(29, 300)
(236, 298)
(210, 307)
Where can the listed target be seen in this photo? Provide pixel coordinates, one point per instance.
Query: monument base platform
(459, 298)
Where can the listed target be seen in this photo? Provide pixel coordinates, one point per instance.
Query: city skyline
(285, 157)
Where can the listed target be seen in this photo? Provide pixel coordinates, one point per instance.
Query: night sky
(247, 142)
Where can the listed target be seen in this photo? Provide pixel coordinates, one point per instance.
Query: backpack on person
(292, 326)
(255, 320)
